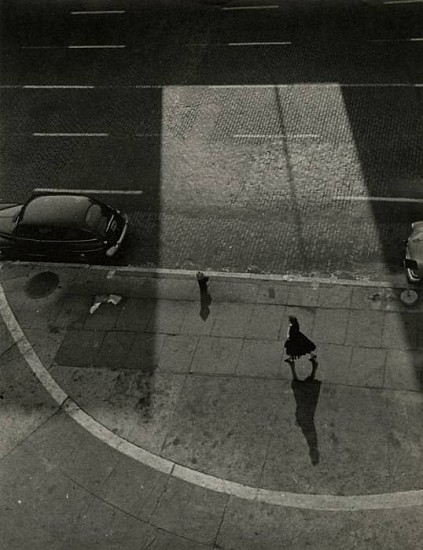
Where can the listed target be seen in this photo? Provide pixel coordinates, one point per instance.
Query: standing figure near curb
(205, 298)
(297, 344)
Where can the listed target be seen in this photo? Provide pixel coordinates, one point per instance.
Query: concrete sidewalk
(211, 393)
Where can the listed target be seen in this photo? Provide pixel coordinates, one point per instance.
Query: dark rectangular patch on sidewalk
(114, 350)
(79, 348)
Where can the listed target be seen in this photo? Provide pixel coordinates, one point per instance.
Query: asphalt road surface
(274, 137)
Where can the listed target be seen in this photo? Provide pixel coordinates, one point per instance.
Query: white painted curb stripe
(116, 442)
(28, 352)
(218, 275)
(278, 498)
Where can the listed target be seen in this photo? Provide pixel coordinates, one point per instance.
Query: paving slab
(232, 291)
(11, 270)
(367, 368)
(405, 440)
(79, 348)
(330, 326)
(105, 526)
(400, 330)
(196, 323)
(222, 434)
(177, 353)
(404, 370)
(167, 541)
(104, 318)
(145, 352)
(115, 349)
(167, 317)
(134, 488)
(335, 296)
(272, 292)
(62, 443)
(135, 314)
(75, 310)
(260, 358)
(216, 355)
(232, 320)
(252, 525)
(333, 363)
(39, 505)
(198, 519)
(265, 322)
(365, 328)
(25, 405)
(45, 343)
(303, 295)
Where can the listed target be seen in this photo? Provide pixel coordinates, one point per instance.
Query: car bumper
(412, 276)
(113, 249)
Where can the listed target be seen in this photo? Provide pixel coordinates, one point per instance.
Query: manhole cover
(409, 297)
(42, 284)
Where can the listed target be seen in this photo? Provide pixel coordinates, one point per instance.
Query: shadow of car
(61, 226)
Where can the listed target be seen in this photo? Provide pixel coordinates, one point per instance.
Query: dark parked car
(414, 253)
(61, 226)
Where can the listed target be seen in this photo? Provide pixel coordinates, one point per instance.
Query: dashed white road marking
(58, 87)
(96, 46)
(98, 12)
(383, 501)
(259, 43)
(379, 199)
(239, 8)
(60, 134)
(89, 191)
(403, 2)
(383, 40)
(41, 47)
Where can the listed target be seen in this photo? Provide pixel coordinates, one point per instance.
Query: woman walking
(297, 344)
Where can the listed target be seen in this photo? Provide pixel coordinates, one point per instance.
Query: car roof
(56, 210)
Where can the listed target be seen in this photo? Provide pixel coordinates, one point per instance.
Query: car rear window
(97, 218)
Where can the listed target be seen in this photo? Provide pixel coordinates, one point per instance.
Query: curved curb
(333, 503)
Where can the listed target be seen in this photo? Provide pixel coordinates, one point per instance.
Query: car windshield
(97, 218)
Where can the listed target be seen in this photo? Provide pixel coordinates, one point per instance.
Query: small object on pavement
(409, 297)
(105, 299)
(202, 281)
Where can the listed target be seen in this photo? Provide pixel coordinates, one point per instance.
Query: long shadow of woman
(306, 393)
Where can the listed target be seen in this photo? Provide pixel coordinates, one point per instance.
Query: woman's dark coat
(297, 344)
